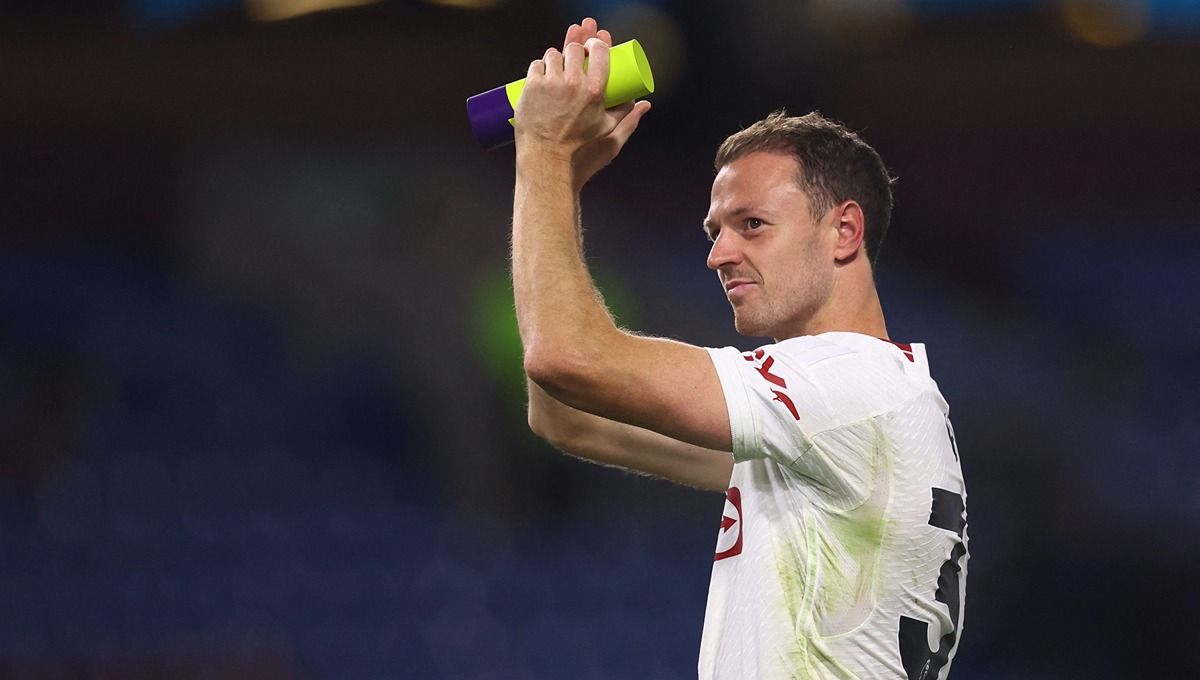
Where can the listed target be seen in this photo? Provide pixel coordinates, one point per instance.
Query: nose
(725, 250)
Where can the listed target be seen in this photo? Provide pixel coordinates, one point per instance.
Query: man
(842, 551)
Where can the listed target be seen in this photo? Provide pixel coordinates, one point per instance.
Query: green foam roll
(629, 77)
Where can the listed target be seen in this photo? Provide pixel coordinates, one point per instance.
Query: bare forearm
(559, 313)
(553, 420)
(609, 442)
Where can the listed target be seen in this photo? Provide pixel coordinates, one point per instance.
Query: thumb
(625, 128)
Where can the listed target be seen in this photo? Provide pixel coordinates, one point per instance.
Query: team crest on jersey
(729, 541)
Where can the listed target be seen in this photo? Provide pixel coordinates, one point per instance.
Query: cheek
(804, 276)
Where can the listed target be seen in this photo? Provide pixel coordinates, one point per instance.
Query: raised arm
(572, 349)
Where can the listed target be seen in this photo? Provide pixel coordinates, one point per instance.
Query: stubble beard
(748, 323)
(787, 309)
(775, 317)
(757, 317)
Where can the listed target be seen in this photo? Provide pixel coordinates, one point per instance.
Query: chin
(751, 328)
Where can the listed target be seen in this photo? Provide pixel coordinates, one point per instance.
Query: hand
(599, 153)
(566, 113)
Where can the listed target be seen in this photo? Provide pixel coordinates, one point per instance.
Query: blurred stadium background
(261, 410)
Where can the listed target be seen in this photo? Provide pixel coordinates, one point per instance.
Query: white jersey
(842, 550)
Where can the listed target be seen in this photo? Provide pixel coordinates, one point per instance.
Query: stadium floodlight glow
(491, 112)
(466, 4)
(1109, 23)
(278, 10)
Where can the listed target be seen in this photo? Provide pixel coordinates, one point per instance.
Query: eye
(753, 223)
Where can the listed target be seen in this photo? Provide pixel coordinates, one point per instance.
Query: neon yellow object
(629, 77)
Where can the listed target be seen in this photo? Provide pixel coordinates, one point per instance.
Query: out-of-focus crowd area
(261, 405)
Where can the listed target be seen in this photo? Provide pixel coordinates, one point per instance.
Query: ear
(851, 229)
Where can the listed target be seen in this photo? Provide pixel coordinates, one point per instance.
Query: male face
(775, 262)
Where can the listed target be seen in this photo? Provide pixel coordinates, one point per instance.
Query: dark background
(261, 409)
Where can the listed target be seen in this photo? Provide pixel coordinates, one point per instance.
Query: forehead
(756, 179)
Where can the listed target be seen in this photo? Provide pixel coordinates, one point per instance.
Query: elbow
(553, 378)
(577, 374)
(537, 367)
(553, 371)
(568, 365)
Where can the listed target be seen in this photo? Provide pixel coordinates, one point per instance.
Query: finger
(537, 67)
(554, 61)
(574, 34)
(597, 52)
(605, 36)
(573, 56)
(582, 34)
(629, 123)
(589, 29)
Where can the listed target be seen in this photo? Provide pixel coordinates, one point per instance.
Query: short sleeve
(769, 403)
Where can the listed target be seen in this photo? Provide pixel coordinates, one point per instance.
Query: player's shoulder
(857, 374)
(836, 363)
(842, 348)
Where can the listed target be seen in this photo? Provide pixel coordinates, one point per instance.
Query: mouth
(738, 288)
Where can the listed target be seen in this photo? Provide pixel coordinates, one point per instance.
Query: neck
(853, 306)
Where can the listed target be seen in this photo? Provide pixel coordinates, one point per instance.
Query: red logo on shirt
(729, 540)
(764, 369)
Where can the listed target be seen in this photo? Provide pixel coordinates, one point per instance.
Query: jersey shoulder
(859, 377)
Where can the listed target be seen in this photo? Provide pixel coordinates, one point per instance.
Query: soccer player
(842, 547)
